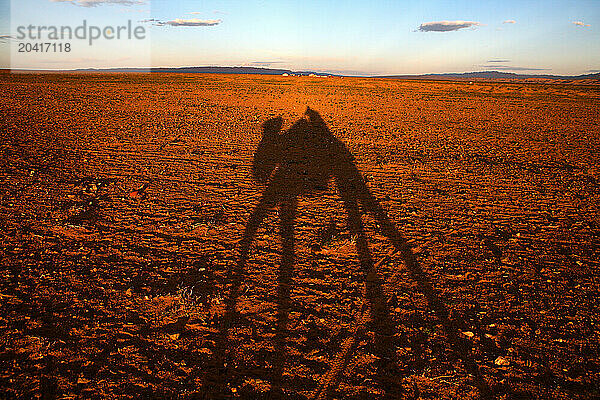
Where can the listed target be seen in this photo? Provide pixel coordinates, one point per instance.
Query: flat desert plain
(124, 199)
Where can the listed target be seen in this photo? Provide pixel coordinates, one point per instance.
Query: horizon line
(303, 71)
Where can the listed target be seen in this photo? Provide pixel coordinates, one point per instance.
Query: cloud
(196, 12)
(593, 71)
(5, 38)
(189, 22)
(264, 63)
(510, 21)
(94, 3)
(498, 61)
(446, 26)
(579, 23)
(182, 22)
(512, 68)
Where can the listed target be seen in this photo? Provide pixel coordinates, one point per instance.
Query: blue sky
(354, 37)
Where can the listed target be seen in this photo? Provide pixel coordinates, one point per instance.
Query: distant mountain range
(496, 75)
(210, 70)
(593, 78)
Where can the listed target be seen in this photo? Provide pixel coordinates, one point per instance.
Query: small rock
(468, 334)
(501, 361)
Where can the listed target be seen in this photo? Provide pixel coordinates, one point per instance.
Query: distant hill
(236, 70)
(496, 75)
(224, 70)
(209, 70)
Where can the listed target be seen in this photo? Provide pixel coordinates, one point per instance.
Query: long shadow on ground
(301, 161)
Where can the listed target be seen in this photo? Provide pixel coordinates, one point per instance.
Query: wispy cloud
(512, 68)
(94, 3)
(182, 22)
(196, 12)
(446, 26)
(264, 63)
(579, 23)
(190, 22)
(6, 38)
(510, 21)
(498, 61)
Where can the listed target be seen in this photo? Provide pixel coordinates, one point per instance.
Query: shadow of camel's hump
(301, 160)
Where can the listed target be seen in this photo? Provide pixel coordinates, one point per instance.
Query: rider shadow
(301, 161)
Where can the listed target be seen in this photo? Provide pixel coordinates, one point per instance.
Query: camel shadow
(299, 162)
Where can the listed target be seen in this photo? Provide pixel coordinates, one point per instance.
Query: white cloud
(512, 68)
(94, 3)
(190, 22)
(579, 23)
(510, 21)
(446, 26)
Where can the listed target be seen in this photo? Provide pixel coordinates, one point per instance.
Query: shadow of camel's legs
(287, 216)
(374, 291)
(388, 229)
(374, 295)
(235, 277)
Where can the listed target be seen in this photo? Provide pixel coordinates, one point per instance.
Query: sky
(348, 37)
